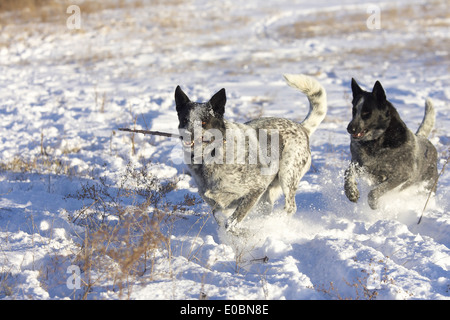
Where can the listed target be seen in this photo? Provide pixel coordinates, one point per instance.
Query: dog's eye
(203, 123)
(365, 114)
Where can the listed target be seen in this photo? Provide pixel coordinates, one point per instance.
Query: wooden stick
(155, 133)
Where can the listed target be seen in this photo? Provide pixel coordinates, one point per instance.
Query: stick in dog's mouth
(154, 133)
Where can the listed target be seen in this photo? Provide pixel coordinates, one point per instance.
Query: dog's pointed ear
(378, 92)
(181, 99)
(218, 102)
(356, 89)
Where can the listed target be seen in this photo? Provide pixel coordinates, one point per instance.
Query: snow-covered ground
(68, 175)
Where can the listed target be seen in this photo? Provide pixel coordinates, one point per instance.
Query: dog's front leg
(245, 205)
(381, 189)
(350, 185)
(375, 194)
(221, 199)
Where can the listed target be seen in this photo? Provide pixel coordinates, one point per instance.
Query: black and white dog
(237, 166)
(384, 148)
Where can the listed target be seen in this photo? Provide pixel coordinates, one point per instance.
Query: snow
(64, 94)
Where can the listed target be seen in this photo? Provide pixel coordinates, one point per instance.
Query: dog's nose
(351, 128)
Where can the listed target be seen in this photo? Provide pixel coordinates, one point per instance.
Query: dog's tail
(317, 97)
(428, 120)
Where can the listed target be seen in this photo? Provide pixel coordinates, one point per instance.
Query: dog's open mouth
(359, 135)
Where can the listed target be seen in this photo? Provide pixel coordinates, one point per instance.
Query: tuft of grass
(6, 283)
(125, 228)
(362, 292)
(40, 165)
(121, 252)
(47, 162)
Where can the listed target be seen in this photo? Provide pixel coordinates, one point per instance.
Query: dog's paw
(352, 193)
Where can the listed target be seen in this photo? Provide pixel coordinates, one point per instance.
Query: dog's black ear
(356, 89)
(378, 92)
(181, 99)
(218, 102)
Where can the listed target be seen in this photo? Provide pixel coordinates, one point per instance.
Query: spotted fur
(236, 186)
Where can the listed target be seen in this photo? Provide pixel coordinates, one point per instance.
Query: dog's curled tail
(317, 97)
(428, 120)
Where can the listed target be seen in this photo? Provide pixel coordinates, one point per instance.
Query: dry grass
(125, 226)
(40, 165)
(376, 274)
(36, 6)
(324, 24)
(415, 21)
(29, 5)
(26, 10)
(117, 253)
(339, 23)
(126, 230)
(22, 11)
(45, 163)
(7, 282)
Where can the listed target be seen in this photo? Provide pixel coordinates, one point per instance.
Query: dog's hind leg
(291, 172)
(269, 197)
(289, 193)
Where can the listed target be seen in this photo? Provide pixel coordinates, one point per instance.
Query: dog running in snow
(238, 166)
(383, 147)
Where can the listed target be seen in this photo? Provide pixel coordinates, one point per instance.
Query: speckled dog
(385, 149)
(239, 166)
